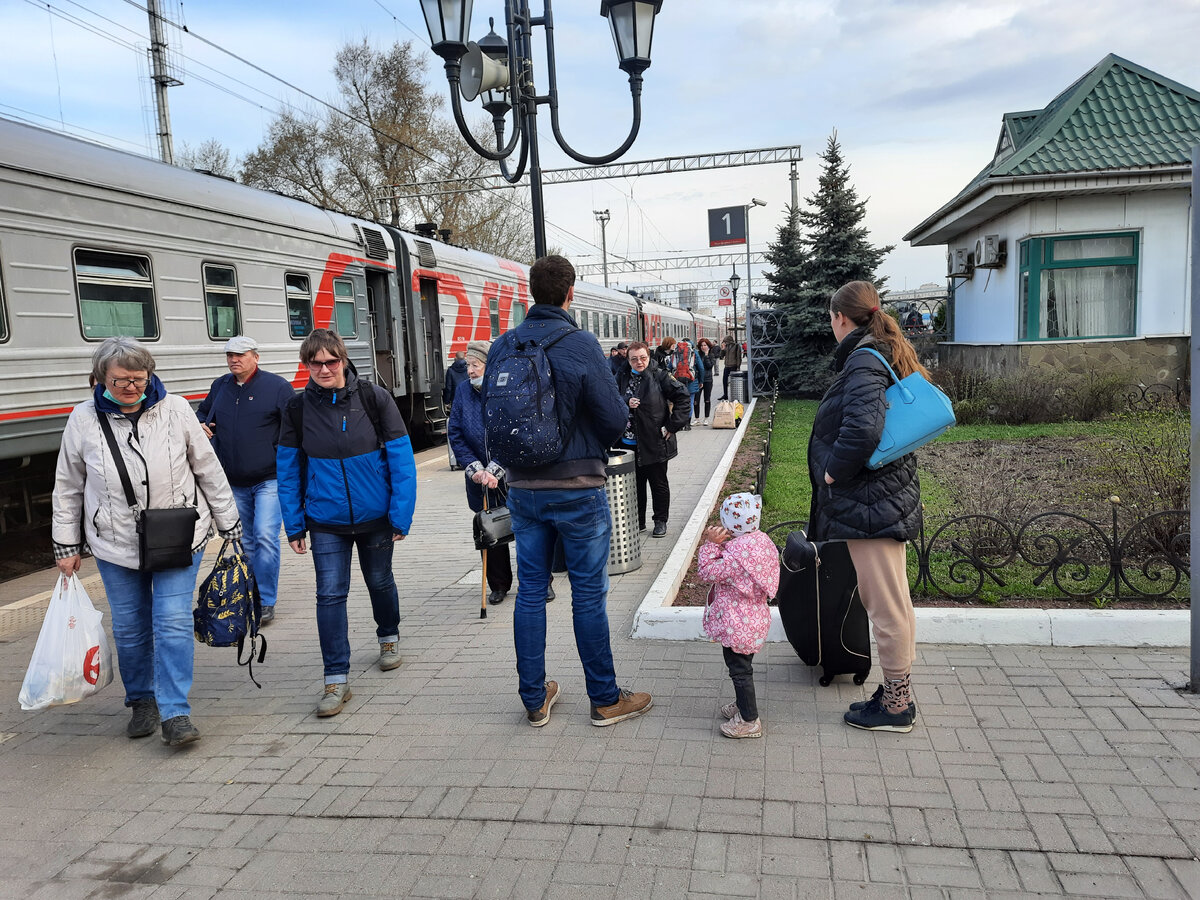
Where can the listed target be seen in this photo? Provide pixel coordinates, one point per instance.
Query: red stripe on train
(64, 410)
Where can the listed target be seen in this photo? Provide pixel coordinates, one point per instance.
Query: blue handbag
(917, 412)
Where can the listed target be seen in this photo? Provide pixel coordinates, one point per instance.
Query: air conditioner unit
(962, 265)
(991, 252)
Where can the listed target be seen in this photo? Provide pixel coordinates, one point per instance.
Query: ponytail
(859, 302)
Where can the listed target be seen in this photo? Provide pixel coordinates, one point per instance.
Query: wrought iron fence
(967, 558)
(764, 458)
(1151, 397)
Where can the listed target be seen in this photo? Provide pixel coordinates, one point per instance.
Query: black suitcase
(821, 610)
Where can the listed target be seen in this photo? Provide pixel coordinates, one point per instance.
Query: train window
(221, 302)
(607, 325)
(299, 306)
(116, 295)
(494, 312)
(344, 318)
(518, 315)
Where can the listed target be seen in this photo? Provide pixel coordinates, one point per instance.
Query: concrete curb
(654, 612)
(655, 620)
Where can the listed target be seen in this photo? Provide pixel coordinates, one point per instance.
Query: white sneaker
(705, 422)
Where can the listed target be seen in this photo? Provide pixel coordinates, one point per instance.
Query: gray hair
(125, 352)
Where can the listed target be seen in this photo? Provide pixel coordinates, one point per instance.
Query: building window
(221, 302)
(116, 295)
(345, 319)
(299, 306)
(1082, 286)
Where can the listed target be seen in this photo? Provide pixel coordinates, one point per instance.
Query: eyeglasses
(331, 364)
(129, 382)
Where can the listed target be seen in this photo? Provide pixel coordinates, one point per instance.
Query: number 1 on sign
(728, 229)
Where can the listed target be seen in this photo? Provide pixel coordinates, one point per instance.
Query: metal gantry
(711, 260)
(724, 160)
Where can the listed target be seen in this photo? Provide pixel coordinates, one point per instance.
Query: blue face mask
(108, 396)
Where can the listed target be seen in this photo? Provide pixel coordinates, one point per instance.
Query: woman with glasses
(170, 464)
(347, 476)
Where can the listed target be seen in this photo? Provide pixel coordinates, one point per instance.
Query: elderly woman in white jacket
(171, 464)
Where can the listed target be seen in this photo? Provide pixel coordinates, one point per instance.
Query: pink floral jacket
(744, 573)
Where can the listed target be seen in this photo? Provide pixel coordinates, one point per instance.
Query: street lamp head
(632, 24)
(449, 23)
(758, 202)
(734, 281)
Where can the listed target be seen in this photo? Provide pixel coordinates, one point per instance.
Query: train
(96, 242)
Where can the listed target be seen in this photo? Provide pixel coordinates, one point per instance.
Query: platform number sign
(727, 226)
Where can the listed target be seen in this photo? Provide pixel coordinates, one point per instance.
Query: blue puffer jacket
(333, 473)
(586, 395)
(468, 440)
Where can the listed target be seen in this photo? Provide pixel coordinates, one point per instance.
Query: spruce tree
(833, 249)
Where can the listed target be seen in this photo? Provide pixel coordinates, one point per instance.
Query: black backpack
(520, 409)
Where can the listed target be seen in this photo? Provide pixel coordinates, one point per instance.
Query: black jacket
(711, 358)
(665, 404)
(245, 423)
(455, 375)
(862, 502)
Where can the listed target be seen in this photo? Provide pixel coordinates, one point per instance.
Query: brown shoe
(627, 706)
(539, 717)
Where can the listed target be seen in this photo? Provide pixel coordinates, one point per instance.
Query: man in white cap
(241, 414)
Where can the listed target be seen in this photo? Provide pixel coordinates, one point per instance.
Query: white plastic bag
(71, 659)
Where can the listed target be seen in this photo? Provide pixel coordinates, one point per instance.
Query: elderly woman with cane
(484, 476)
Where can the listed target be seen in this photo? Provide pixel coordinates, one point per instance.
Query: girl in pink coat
(742, 565)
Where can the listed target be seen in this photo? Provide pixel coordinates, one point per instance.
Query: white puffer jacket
(169, 451)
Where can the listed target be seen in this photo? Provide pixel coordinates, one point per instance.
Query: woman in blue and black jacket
(347, 474)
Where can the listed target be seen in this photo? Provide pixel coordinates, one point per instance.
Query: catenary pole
(162, 80)
(1194, 684)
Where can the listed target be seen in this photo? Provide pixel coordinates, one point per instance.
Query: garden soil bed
(1014, 479)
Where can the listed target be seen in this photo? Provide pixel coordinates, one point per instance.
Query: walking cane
(484, 554)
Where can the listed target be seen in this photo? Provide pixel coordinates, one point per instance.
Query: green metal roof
(1118, 116)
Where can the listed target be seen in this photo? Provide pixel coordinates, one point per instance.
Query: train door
(386, 345)
(434, 353)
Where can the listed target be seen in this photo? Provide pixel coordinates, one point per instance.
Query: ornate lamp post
(734, 281)
(502, 74)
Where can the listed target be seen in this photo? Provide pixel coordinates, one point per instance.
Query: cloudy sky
(914, 88)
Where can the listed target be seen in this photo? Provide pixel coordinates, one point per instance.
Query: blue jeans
(154, 632)
(581, 519)
(261, 517)
(331, 558)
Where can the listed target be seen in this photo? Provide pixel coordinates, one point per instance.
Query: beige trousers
(883, 585)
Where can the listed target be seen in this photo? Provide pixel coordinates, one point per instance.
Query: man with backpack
(551, 411)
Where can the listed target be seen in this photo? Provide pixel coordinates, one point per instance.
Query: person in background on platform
(241, 414)
(619, 359)
(742, 565)
(665, 348)
(875, 511)
(469, 441)
(659, 407)
(347, 474)
(170, 464)
(566, 499)
(688, 369)
(455, 375)
(732, 357)
(710, 356)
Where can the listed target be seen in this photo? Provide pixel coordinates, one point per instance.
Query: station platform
(1032, 771)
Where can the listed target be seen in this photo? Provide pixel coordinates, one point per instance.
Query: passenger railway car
(96, 242)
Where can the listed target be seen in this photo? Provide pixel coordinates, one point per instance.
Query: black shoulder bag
(164, 535)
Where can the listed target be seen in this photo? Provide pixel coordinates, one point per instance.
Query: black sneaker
(179, 731)
(873, 717)
(660, 530)
(878, 696)
(145, 718)
(268, 615)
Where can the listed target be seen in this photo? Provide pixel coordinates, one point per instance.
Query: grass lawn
(1014, 473)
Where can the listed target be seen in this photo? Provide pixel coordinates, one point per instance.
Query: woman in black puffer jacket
(874, 510)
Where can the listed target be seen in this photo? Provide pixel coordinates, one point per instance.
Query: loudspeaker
(481, 73)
